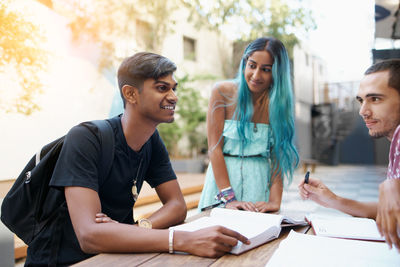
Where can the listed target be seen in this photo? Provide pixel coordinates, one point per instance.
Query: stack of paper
(310, 250)
(345, 227)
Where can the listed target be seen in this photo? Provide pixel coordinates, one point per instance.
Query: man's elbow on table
(88, 240)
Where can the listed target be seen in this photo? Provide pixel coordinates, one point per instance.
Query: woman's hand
(263, 206)
(242, 205)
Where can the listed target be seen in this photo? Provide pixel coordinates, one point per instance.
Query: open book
(259, 228)
(345, 227)
(303, 250)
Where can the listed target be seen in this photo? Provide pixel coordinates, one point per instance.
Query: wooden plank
(5, 186)
(165, 259)
(154, 198)
(20, 248)
(189, 205)
(116, 259)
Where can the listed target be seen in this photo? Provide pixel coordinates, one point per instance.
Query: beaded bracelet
(226, 195)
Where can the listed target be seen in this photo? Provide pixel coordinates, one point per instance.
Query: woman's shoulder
(225, 88)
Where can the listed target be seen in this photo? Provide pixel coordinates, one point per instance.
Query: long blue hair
(281, 116)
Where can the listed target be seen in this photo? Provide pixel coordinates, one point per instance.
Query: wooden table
(255, 257)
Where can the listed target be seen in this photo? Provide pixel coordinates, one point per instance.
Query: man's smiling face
(157, 99)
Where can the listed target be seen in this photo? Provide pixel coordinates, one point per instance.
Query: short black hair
(393, 65)
(141, 66)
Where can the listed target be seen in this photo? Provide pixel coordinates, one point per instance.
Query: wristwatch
(145, 223)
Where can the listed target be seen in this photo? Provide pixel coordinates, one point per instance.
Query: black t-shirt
(77, 165)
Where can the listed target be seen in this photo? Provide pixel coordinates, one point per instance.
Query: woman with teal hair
(250, 127)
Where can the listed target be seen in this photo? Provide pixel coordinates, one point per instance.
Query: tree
(253, 18)
(21, 54)
(192, 113)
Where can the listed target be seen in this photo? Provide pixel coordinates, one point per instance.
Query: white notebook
(258, 227)
(303, 250)
(345, 227)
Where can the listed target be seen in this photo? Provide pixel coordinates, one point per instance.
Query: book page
(308, 250)
(345, 227)
(293, 218)
(258, 229)
(266, 220)
(247, 226)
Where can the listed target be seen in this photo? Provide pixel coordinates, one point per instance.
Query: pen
(211, 206)
(306, 177)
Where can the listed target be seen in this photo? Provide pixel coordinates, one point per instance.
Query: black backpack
(31, 202)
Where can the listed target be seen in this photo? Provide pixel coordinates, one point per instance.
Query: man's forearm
(171, 213)
(355, 208)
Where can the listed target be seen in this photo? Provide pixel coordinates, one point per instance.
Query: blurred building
(328, 126)
(309, 78)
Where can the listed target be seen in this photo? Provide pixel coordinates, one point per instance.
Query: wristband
(171, 241)
(226, 195)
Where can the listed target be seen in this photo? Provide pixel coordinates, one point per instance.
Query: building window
(189, 48)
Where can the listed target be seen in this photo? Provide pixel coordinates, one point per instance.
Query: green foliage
(263, 18)
(170, 134)
(20, 51)
(192, 113)
(190, 119)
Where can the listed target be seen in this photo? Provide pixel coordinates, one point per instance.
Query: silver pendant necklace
(135, 193)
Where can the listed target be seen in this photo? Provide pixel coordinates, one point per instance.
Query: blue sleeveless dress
(249, 175)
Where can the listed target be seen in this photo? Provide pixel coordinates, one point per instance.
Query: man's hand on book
(318, 192)
(388, 214)
(209, 242)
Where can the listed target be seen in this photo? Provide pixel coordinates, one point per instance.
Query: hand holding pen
(316, 190)
(306, 177)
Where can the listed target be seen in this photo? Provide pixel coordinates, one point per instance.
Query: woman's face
(258, 71)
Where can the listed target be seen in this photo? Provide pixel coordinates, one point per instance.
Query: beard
(377, 135)
(387, 132)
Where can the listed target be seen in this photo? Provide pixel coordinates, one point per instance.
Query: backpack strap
(107, 143)
(107, 155)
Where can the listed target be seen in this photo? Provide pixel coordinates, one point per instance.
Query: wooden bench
(309, 164)
(147, 205)
(20, 248)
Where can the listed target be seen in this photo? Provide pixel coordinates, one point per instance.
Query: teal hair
(281, 114)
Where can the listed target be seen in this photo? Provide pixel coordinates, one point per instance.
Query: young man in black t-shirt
(147, 87)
